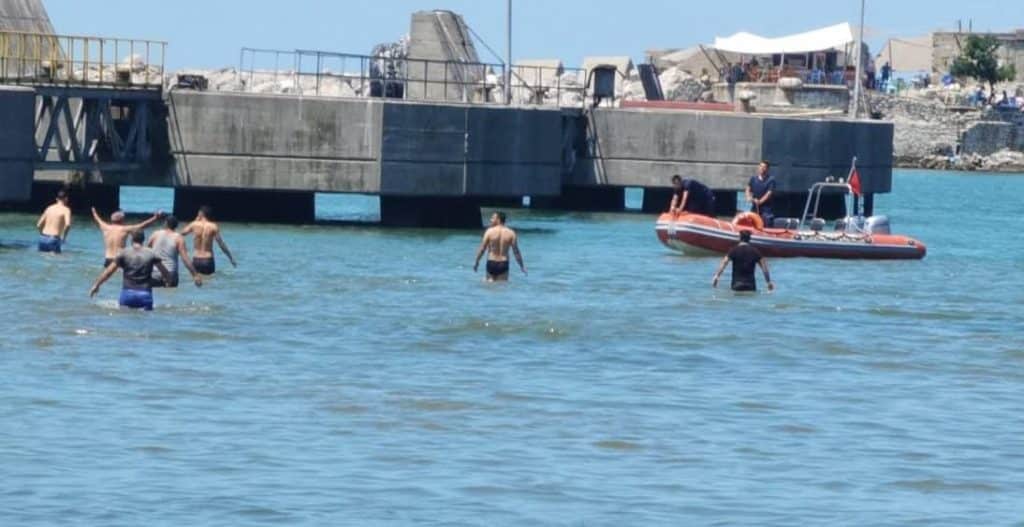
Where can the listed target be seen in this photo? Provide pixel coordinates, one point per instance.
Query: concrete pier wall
(644, 148)
(17, 147)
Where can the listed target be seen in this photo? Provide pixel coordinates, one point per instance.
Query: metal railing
(39, 58)
(312, 72)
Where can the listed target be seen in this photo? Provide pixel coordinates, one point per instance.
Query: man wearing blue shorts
(54, 224)
(137, 263)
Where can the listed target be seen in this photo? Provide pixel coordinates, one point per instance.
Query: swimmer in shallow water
(169, 245)
(206, 232)
(116, 232)
(497, 241)
(137, 263)
(745, 258)
(54, 224)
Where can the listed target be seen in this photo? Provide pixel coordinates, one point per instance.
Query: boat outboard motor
(877, 225)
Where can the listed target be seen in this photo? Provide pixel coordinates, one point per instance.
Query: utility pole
(860, 64)
(508, 53)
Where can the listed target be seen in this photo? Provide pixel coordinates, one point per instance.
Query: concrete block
(17, 147)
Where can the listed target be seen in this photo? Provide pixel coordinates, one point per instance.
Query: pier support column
(726, 203)
(791, 205)
(656, 200)
(869, 204)
(514, 202)
(437, 212)
(106, 198)
(584, 199)
(258, 206)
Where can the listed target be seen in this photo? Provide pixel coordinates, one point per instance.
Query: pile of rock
(1002, 161)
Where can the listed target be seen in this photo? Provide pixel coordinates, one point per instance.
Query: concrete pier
(105, 198)
(442, 213)
(584, 199)
(17, 144)
(657, 200)
(257, 206)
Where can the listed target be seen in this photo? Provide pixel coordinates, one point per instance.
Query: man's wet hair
(676, 178)
(138, 236)
(62, 194)
(501, 217)
(171, 222)
(745, 236)
(206, 211)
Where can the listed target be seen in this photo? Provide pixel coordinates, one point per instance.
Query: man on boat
(497, 241)
(137, 263)
(760, 191)
(54, 224)
(691, 196)
(169, 245)
(744, 258)
(116, 232)
(206, 232)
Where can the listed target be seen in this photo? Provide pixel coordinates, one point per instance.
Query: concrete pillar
(725, 203)
(437, 212)
(584, 199)
(791, 205)
(258, 206)
(869, 204)
(656, 200)
(515, 202)
(17, 144)
(106, 198)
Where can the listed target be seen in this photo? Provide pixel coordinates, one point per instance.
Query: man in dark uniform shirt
(744, 259)
(691, 196)
(760, 190)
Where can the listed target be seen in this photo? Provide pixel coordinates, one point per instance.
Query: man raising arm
(116, 232)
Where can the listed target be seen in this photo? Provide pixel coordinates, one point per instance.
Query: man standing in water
(169, 245)
(206, 232)
(137, 263)
(54, 224)
(691, 195)
(744, 258)
(497, 241)
(760, 190)
(116, 232)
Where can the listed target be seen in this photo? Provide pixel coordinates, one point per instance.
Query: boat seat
(817, 224)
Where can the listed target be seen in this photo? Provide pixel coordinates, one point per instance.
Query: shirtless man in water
(116, 233)
(206, 232)
(497, 241)
(54, 224)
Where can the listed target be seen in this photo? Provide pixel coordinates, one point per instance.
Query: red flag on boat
(855, 182)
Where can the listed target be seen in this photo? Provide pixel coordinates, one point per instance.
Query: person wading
(169, 245)
(745, 258)
(497, 241)
(116, 232)
(54, 224)
(206, 232)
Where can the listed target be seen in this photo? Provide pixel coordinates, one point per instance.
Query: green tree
(978, 60)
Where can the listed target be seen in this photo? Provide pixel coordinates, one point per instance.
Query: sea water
(355, 375)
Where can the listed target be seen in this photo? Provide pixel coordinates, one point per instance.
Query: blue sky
(209, 33)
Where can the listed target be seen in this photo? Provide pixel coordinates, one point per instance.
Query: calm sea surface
(365, 376)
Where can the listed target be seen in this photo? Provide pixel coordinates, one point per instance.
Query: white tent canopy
(832, 37)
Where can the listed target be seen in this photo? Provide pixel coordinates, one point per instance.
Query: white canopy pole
(860, 60)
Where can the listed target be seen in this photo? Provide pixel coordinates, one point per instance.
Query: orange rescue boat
(853, 237)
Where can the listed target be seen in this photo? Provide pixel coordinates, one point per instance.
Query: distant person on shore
(137, 263)
(497, 241)
(206, 232)
(691, 196)
(116, 232)
(760, 191)
(744, 258)
(169, 245)
(886, 75)
(54, 224)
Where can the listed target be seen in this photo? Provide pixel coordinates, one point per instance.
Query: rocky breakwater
(932, 134)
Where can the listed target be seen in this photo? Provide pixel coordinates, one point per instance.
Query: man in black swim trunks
(744, 258)
(206, 232)
(496, 242)
(691, 195)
